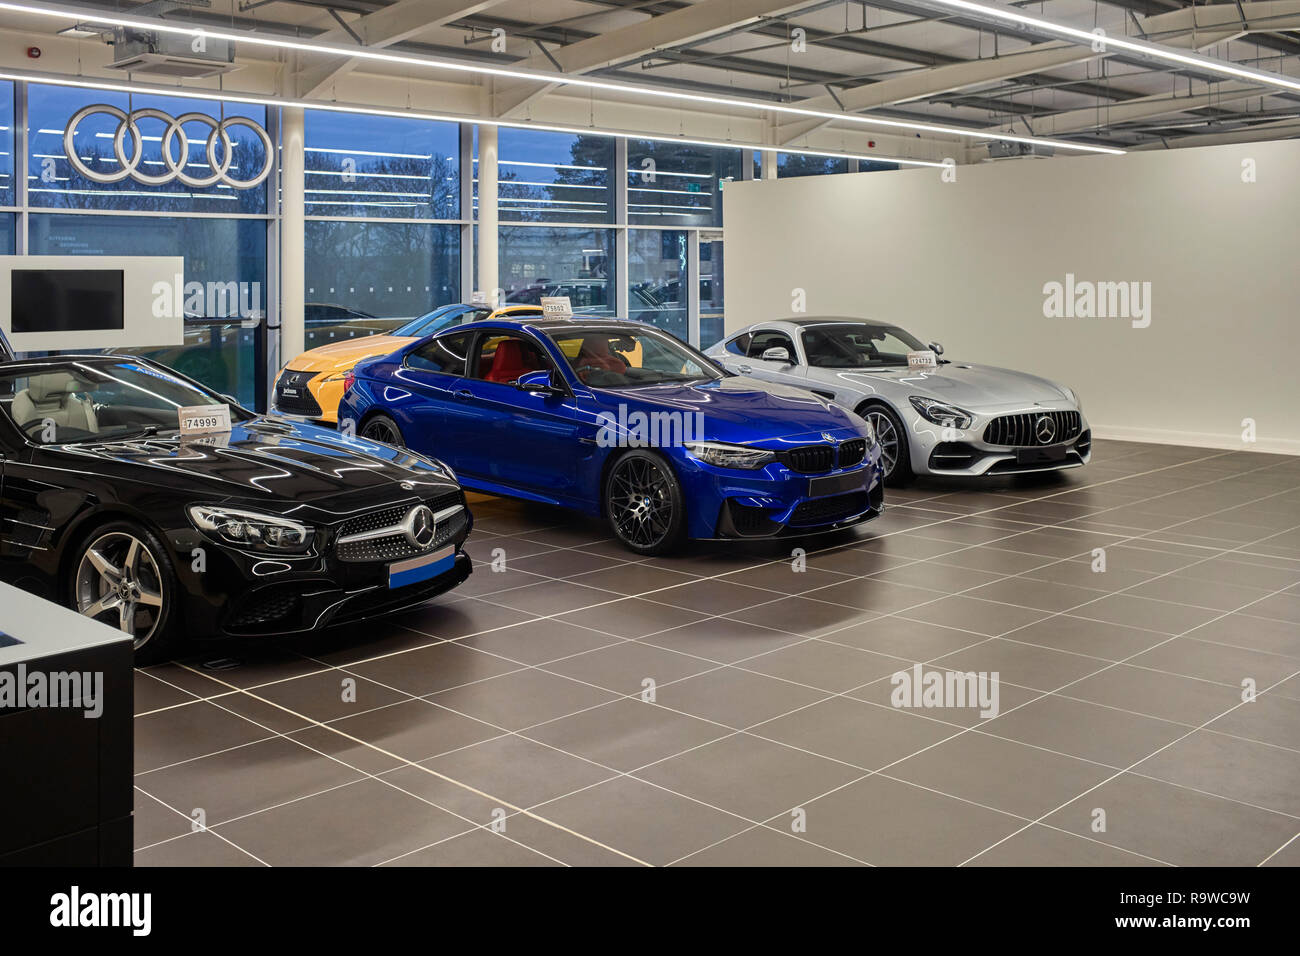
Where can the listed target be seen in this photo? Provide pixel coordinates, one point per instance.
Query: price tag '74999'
(204, 419)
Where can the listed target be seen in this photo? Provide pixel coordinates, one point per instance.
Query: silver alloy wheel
(379, 429)
(887, 436)
(119, 576)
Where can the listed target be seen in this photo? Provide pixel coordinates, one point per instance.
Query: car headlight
(252, 530)
(941, 413)
(871, 432)
(1073, 396)
(729, 456)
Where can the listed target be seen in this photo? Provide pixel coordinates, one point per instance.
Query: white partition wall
(1204, 244)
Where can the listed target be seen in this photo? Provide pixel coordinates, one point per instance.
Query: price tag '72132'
(204, 419)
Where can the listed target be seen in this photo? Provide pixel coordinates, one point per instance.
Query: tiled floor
(579, 706)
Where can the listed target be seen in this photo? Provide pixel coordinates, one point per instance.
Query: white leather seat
(50, 397)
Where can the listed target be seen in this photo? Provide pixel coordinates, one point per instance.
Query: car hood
(345, 354)
(737, 409)
(264, 459)
(973, 387)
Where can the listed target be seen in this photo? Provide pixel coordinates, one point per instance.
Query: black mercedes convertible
(269, 527)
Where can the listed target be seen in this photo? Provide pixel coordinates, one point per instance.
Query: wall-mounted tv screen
(66, 300)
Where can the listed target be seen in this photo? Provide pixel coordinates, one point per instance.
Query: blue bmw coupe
(622, 421)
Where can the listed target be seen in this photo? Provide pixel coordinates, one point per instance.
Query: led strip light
(90, 15)
(270, 101)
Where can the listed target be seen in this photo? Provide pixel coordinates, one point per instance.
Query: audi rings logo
(128, 128)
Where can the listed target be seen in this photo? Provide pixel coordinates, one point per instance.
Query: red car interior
(512, 359)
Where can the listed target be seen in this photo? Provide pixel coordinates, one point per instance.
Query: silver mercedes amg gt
(948, 419)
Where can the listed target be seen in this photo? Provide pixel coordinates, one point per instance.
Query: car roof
(810, 320)
(551, 324)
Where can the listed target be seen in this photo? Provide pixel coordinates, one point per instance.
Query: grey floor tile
(1156, 694)
(624, 668)
(777, 778)
(382, 823)
(1245, 770)
(865, 735)
(522, 698)
(887, 823)
(1084, 730)
(764, 846)
(1044, 846)
(736, 698)
(645, 821)
(627, 733)
(1176, 825)
(1001, 774)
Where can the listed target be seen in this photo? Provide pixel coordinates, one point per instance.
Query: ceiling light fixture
(532, 76)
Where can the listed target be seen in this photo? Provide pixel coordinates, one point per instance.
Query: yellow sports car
(311, 385)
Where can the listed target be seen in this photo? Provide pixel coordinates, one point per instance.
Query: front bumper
(776, 501)
(308, 396)
(967, 453)
(230, 593)
(299, 607)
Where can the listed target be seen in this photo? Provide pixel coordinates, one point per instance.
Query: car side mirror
(936, 348)
(777, 353)
(539, 383)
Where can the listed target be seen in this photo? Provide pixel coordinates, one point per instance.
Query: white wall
(966, 262)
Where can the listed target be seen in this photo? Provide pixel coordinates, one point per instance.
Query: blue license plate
(415, 570)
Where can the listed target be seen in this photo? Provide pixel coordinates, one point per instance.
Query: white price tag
(478, 297)
(556, 307)
(925, 358)
(204, 419)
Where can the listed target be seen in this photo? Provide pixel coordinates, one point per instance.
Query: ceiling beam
(1281, 129)
(1073, 121)
(393, 24)
(1191, 27)
(624, 43)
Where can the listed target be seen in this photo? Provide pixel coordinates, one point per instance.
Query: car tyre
(644, 503)
(895, 456)
(382, 428)
(121, 574)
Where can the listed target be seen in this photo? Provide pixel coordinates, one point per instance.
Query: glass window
(359, 165)
(537, 261)
(764, 340)
(97, 399)
(53, 180)
(678, 184)
(7, 147)
(553, 177)
(857, 345)
(503, 358)
(225, 279)
(364, 278)
(739, 345)
(7, 246)
(797, 164)
(711, 291)
(445, 354)
(626, 358)
(656, 265)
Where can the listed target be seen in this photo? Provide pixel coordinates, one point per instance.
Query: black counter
(66, 696)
